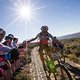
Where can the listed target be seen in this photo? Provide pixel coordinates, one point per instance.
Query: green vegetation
(72, 49)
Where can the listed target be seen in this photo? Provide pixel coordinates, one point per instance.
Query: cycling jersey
(44, 37)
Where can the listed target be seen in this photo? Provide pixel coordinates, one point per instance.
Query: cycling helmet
(44, 27)
(10, 36)
(2, 31)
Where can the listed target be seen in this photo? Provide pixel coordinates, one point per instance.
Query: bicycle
(55, 68)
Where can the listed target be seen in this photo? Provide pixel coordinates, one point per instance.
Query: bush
(77, 53)
(22, 76)
(74, 58)
(68, 50)
(73, 46)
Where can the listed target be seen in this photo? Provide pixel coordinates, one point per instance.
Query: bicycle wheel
(46, 72)
(49, 68)
(62, 73)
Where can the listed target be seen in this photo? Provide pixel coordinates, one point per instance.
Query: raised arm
(34, 38)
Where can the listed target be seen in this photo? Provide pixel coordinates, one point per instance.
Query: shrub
(77, 53)
(74, 58)
(22, 76)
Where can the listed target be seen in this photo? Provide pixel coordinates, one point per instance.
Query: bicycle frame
(51, 64)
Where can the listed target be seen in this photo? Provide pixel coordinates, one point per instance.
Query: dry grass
(74, 46)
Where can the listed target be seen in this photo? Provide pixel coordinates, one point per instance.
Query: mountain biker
(58, 45)
(3, 51)
(44, 37)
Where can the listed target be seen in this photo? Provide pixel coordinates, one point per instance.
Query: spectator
(15, 40)
(3, 51)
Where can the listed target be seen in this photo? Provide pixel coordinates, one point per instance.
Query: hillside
(74, 35)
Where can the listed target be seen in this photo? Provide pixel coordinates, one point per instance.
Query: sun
(24, 10)
(27, 10)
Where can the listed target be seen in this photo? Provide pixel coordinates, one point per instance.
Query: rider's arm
(34, 38)
(50, 36)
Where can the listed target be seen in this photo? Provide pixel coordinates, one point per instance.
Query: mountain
(74, 35)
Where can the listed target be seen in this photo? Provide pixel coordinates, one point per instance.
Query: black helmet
(2, 31)
(10, 36)
(44, 27)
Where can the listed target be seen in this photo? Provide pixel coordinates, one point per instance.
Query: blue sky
(62, 17)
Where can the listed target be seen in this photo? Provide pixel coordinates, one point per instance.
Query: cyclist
(44, 37)
(3, 51)
(58, 45)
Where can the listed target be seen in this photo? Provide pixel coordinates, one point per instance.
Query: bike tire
(65, 70)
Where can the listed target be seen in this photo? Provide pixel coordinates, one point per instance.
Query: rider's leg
(48, 50)
(41, 53)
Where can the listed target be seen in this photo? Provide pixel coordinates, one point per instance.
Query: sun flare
(25, 10)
